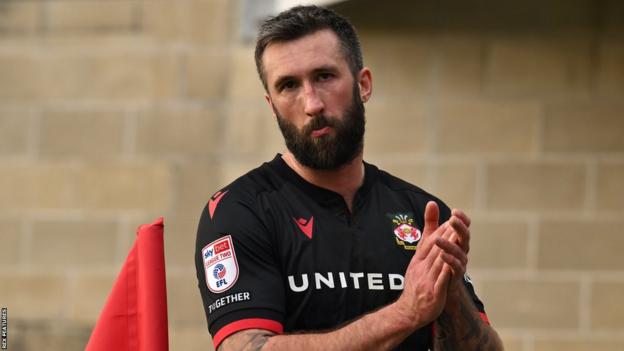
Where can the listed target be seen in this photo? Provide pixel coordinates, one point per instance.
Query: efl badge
(220, 264)
(405, 233)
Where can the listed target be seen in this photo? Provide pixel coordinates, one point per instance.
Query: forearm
(383, 329)
(460, 328)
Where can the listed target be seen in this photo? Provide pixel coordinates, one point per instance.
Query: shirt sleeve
(238, 276)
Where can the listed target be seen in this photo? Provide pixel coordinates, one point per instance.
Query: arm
(422, 300)
(380, 330)
(459, 326)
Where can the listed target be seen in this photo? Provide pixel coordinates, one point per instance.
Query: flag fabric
(134, 317)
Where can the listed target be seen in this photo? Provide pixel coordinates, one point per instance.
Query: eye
(325, 76)
(288, 85)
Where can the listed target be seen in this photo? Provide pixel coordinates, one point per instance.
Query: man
(318, 250)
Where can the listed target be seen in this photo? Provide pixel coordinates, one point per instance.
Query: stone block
(196, 338)
(10, 236)
(455, 184)
(252, 129)
(37, 334)
(81, 133)
(195, 183)
(89, 294)
(218, 29)
(498, 244)
(200, 21)
(33, 296)
(402, 64)
(610, 75)
(487, 126)
(589, 245)
(613, 12)
(73, 244)
(396, 126)
(206, 74)
(15, 125)
(535, 186)
(41, 186)
(533, 305)
(537, 67)
(511, 343)
(178, 132)
(459, 67)
(17, 17)
(129, 76)
(180, 238)
(125, 187)
(244, 83)
(20, 76)
(606, 306)
(578, 345)
(184, 301)
(63, 16)
(610, 187)
(588, 127)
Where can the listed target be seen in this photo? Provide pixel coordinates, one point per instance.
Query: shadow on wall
(482, 15)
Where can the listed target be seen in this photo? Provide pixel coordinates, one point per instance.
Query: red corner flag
(135, 315)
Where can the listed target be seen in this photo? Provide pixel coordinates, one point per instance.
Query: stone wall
(115, 112)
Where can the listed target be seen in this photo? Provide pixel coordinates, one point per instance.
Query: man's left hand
(455, 245)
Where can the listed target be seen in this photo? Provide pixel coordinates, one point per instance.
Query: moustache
(318, 122)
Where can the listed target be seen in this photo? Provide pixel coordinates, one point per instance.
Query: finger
(456, 265)
(429, 250)
(442, 283)
(452, 249)
(432, 218)
(463, 233)
(427, 243)
(462, 215)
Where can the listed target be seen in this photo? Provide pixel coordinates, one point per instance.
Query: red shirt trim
(485, 318)
(249, 323)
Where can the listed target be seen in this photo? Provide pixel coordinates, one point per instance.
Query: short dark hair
(300, 21)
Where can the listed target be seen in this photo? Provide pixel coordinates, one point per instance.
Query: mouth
(321, 132)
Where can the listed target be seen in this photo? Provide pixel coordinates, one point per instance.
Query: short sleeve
(238, 276)
(475, 299)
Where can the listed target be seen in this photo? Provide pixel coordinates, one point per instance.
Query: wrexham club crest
(405, 233)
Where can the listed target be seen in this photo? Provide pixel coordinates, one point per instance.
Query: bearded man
(317, 249)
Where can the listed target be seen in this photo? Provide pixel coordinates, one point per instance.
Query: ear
(365, 83)
(267, 98)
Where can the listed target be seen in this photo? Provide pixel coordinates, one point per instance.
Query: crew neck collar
(320, 194)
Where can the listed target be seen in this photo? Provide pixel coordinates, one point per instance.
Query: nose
(313, 104)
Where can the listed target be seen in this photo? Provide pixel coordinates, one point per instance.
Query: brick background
(113, 113)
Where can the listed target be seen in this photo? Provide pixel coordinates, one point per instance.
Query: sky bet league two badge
(220, 264)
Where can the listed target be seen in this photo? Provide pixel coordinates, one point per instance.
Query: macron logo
(305, 225)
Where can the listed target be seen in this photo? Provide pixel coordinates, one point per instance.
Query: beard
(329, 151)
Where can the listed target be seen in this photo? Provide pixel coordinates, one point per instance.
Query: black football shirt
(275, 252)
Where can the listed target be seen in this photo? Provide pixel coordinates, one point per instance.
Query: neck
(345, 180)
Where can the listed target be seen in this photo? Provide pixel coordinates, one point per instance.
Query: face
(316, 99)
(327, 143)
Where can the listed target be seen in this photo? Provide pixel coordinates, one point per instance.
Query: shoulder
(243, 193)
(415, 194)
